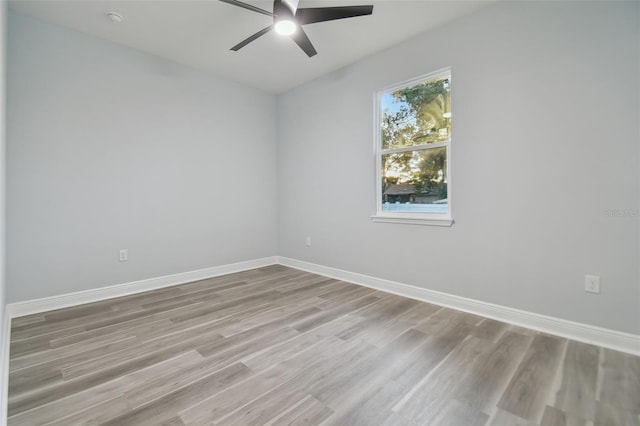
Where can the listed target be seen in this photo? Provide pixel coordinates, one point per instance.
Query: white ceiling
(200, 33)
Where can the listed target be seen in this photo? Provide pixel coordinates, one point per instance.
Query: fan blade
(301, 39)
(247, 6)
(292, 5)
(248, 40)
(321, 14)
(285, 7)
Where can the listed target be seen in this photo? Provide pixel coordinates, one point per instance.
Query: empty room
(320, 212)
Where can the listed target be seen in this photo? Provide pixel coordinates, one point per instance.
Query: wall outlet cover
(592, 284)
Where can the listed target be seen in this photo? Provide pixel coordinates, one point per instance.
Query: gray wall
(111, 148)
(3, 336)
(545, 141)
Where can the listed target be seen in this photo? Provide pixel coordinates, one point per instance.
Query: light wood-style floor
(280, 346)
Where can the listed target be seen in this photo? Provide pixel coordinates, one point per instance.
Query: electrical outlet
(124, 255)
(307, 242)
(592, 284)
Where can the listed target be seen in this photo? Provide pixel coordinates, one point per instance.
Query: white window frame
(435, 219)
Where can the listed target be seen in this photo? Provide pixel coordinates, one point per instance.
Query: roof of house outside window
(400, 189)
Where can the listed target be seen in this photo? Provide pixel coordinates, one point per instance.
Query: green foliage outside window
(417, 116)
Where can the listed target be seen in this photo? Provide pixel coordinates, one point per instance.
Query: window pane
(416, 115)
(415, 181)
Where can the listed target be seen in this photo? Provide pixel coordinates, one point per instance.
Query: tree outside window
(413, 147)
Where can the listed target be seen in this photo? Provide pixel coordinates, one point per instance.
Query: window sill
(430, 221)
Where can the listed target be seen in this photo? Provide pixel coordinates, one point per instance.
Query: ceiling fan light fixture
(285, 27)
(289, 19)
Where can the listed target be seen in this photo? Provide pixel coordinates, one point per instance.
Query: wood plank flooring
(279, 346)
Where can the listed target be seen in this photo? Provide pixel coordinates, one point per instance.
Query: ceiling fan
(288, 20)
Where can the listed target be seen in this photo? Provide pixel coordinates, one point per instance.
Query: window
(413, 138)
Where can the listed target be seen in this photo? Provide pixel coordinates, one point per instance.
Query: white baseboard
(35, 306)
(612, 339)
